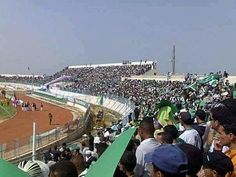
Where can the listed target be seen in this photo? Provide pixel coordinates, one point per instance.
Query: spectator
(167, 138)
(190, 135)
(97, 138)
(56, 153)
(84, 147)
(66, 154)
(89, 158)
(195, 158)
(128, 163)
(201, 122)
(91, 141)
(223, 113)
(136, 113)
(158, 135)
(50, 162)
(227, 136)
(63, 168)
(78, 161)
(224, 122)
(50, 118)
(168, 161)
(48, 155)
(63, 147)
(216, 164)
(34, 168)
(202, 127)
(76, 152)
(172, 130)
(148, 144)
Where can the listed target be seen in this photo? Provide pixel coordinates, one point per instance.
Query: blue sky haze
(48, 35)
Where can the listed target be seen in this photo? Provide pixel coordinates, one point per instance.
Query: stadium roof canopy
(141, 62)
(21, 75)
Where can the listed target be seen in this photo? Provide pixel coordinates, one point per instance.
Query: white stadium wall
(122, 108)
(112, 104)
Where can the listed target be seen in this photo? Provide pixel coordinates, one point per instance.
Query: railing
(21, 148)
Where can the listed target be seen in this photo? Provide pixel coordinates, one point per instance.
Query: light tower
(173, 61)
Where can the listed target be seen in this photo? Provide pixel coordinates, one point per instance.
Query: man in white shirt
(148, 145)
(190, 135)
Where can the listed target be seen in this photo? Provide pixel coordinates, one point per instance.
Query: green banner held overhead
(9, 170)
(213, 82)
(209, 78)
(192, 87)
(166, 112)
(106, 164)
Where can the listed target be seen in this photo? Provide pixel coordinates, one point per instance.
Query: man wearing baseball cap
(168, 161)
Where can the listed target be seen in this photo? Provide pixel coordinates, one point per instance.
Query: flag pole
(33, 145)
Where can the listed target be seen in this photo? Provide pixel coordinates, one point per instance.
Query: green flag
(9, 170)
(106, 164)
(209, 78)
(192, 86)
(213, 82)
(202, 103)
(166, 112)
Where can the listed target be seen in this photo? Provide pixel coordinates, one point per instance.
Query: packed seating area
(22, 79)
(182, 128)
(102, 80)
(88, 75)
(177, 150)
(147, 94)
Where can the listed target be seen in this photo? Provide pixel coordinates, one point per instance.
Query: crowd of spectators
(86, 78)
(37, 80)
(103, 80)
(200, 142)
(168, 151)
(146, 94)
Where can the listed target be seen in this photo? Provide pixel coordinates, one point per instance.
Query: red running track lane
(20, 126)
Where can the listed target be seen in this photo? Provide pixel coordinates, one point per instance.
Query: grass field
(6, 112)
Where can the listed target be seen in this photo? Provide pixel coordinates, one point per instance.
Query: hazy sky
(48, 35)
